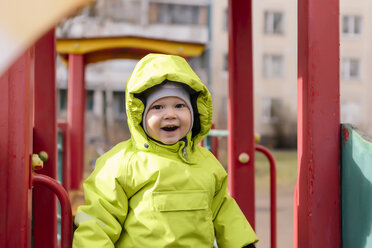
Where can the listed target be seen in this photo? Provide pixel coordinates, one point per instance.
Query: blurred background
(275, 79)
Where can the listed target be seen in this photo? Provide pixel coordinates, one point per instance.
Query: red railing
(208, 143)
(66, 213)
(270, 157)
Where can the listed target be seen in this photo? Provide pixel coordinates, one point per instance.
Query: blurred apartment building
(205, 21)
(275, 66)
(356, 63)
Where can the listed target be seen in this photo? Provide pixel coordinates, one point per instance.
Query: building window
(92, 10)
(119, 104)
(273, 66)
(351, 25)
(351, 112)
(123, 11)
(89, 100)
(225, 62)
(350, 69)
(167, 13)
(62, 99)
(271, 109)
(274, 22)
(200, 62)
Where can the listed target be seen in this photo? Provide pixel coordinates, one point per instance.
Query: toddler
(160, 188)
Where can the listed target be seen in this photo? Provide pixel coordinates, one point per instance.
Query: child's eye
(180, 105)
(157, 107)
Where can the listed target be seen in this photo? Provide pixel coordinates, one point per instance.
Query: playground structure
(28, 125)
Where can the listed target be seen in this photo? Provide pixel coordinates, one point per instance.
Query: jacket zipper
(184, 153)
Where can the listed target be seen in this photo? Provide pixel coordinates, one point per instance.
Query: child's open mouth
(169, 128)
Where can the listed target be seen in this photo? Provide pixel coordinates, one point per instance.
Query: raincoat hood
(156, 69)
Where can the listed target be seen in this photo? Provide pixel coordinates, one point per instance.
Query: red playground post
(76, 116)
(317, 218)
(240, 120)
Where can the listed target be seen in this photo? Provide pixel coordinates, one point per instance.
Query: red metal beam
(45, 139)
(76, 116)
(240, 119)
(4, 125)
(317, 199)
(15, 152)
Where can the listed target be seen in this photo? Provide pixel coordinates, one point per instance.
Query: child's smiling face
(168, 120)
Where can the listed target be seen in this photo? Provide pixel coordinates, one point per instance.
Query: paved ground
(284, 218)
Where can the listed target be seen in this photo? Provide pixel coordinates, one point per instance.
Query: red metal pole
(271, 159)
(15, 153)
(317, 203)
(45, 139)
(4, 125)
(64, 200)
(240, 119)
(76, 114)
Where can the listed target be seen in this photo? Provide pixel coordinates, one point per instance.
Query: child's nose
(170, 114)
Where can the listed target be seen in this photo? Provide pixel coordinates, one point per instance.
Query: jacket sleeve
(231, 227)
(99, 222)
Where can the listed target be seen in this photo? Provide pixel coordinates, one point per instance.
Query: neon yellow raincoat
(144, 194)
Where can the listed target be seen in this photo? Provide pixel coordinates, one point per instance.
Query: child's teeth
(170, 128)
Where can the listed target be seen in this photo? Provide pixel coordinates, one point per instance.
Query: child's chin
(169, 141)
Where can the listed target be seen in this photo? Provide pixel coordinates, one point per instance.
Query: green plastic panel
(356, 188)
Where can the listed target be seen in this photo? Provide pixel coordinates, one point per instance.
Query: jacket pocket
(180, 200)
